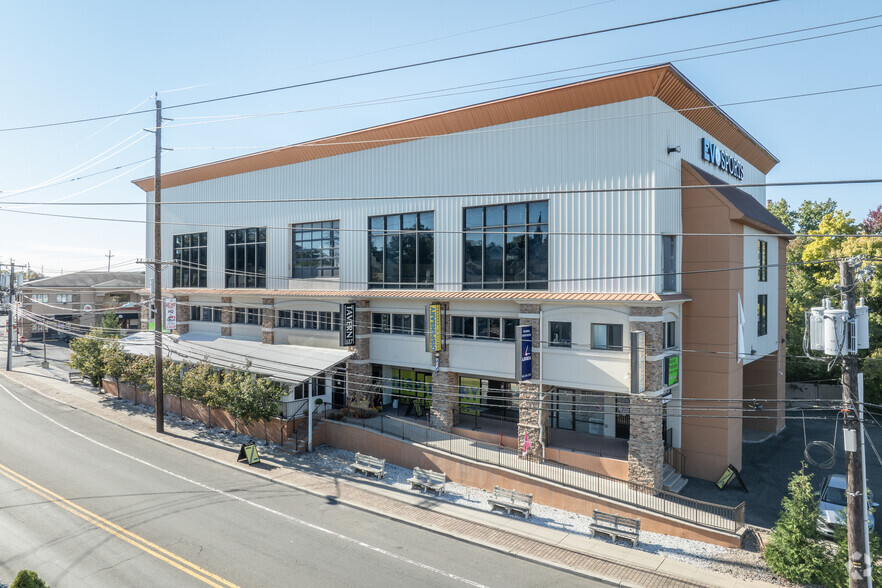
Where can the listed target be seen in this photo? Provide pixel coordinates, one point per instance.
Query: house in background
(594, 213)
(77, 301)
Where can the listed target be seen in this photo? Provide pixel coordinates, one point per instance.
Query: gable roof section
(664, 82)
(121, 280)
(752, 212)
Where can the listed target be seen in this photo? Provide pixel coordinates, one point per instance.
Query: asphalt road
(88, 503)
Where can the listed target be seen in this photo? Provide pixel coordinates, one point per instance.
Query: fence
(706, 514)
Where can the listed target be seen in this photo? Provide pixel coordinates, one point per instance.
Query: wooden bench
(428, 480)
(75, 377)
(615, 526)
(366, 464)
(510, 500)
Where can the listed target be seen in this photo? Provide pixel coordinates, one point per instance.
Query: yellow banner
(434, 327)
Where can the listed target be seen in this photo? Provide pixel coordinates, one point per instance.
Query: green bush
(836, 574)
(795, 550)
(28, 579)
(114, 359)
(86, 357)
(200, 383)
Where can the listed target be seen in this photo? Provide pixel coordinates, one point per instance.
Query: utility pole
(9, 315)
(108, 256)
(856, 486)
(158, 306)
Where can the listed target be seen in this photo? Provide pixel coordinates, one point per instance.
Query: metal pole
(157, 272)
(9, 317)
(45, 363)
(865, 511)
(853, 459)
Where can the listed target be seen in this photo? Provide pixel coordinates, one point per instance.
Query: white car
(833, 503)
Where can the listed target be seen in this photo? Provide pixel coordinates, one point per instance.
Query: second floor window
(762, 314)
(561, 334)
(64, 298)
(402, 251)
(506, 246)
(246, 258)
(191, 260)
(763, 261)
(607, 337)
(670, 334)
(40, 298)
(315, 250)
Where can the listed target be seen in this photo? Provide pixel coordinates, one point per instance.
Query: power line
(401, 67)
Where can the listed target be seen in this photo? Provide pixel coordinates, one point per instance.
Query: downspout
(541, 389)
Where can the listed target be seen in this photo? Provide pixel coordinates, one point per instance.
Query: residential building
(588, 212)
(75, 301)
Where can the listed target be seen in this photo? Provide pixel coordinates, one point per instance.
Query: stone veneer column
(145, 313)
(359, 368)
(268, 324)
(646, 450)
(533, 416)
(226, 316)
(183, 315)
(444, 413)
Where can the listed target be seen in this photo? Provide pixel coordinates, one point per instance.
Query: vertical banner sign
(347, 329)
(433, 327)
(524, 349)
(171, 313)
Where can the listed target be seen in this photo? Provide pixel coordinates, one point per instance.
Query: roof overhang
(664, 82)
(286, 363)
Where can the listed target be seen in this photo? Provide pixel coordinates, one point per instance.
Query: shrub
(836, 574)
(200, 382)
(114, 359)
(795, 550)
(86, 357)
(139, 371)
(28, 579)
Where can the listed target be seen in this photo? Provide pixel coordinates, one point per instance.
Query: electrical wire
(402, 67)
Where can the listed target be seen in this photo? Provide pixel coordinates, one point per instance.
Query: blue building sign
(524, 370)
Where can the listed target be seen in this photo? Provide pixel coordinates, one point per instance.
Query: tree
(86, 357)
(782, 210)
(837, 572)
(872, 225)
(110, 325)
(795, 550)
(28, 579)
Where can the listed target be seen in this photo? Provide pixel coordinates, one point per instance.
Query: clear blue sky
(65, 60)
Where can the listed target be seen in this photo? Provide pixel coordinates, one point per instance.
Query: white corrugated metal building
(560, 209)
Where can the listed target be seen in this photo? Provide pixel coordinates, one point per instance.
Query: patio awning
(285, 363)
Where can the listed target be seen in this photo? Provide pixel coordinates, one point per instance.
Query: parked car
(833, 503)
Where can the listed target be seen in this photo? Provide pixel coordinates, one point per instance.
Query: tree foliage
(86, 357)
(28, 579)
(836, 574)
(795, 550)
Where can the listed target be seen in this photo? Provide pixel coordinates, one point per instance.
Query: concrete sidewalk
(614, 564)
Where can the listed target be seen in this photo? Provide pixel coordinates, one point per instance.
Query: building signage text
(722, 159)
(347, 330)
(434, 320)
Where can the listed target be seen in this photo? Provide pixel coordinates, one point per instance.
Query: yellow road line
(124, 534)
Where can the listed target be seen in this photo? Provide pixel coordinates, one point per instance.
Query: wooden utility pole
(108, 256)
(9, 315)
(158, 306)
(855, 487)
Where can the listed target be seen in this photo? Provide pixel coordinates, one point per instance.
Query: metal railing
(706, 514)
(587, 443)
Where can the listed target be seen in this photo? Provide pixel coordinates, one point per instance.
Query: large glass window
(246, 258)
(402, 251)
(669, 263)
(762, 314)
(505, 246)
(64, 298)
(316, 250)
(40, 298)
(191, 260)
(763, 261)
(607, 337)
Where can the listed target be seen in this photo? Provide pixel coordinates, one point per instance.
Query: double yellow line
(127, 536)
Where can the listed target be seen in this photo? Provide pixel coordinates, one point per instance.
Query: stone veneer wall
(183, 310)
(646, 449)
(226, 316)
(360, 379)
(533, 413)
(444, 412)
(268, 323)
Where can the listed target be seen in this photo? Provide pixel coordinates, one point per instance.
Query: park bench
(510, 500)
(427, 479)
(75, 377)
(615, 526)
(366, 464)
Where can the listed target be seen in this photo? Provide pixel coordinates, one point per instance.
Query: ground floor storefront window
(411, 388)
(488, 398)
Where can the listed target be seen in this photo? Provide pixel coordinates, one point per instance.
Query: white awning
(286, 363)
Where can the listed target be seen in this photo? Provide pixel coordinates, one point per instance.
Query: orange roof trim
(505, 295)
(664, 82)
